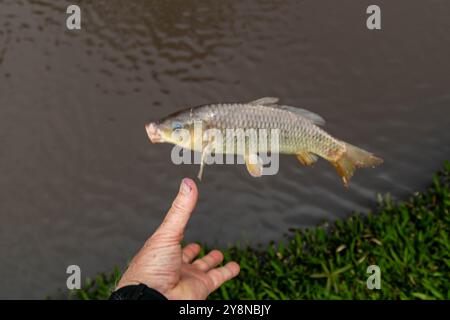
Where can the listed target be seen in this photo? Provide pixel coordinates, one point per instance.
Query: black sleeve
(136, 292)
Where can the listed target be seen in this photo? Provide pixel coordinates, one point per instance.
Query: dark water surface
(81, 184)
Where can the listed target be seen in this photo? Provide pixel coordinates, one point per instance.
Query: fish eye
(177, 126)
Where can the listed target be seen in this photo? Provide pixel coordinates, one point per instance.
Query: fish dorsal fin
(272, 102)
(313, 117)
(266, 101)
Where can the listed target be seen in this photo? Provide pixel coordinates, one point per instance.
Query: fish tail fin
(353, 158)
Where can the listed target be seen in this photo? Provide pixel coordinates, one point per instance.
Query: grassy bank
(408, 240)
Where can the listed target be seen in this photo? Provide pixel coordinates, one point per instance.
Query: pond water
(81, 184)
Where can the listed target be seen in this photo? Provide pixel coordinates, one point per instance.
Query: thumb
(178, 216)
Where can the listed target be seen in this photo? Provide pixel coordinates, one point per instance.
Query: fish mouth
(154, 133)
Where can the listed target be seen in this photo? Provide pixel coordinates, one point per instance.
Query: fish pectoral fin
(254, 165)
(200, 171)
(307, 158)
(205, 151)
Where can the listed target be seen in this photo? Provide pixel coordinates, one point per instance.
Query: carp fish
(299, 133)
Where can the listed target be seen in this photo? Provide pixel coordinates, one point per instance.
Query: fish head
(177, 128)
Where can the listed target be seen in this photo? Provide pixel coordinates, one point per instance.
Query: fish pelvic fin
(307, 158)
(254, 165)
(352, 158)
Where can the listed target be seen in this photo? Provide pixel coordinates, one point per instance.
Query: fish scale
(296, 132)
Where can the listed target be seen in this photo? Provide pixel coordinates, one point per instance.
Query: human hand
(163, 265)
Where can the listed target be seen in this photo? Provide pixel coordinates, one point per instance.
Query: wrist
(136, 292)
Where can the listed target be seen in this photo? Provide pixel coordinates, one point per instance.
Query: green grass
(408, 240)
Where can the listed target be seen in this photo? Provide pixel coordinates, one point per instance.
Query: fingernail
(185, 188)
